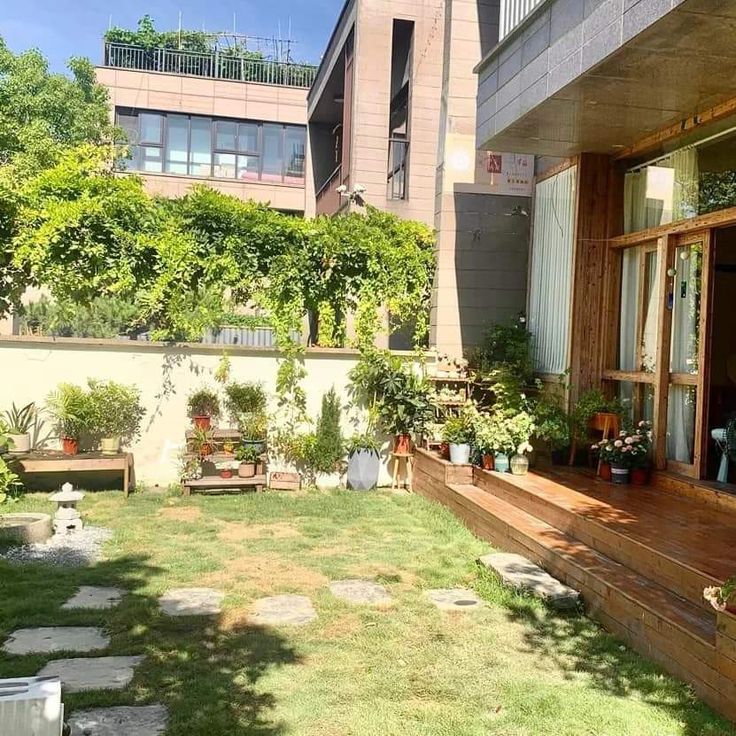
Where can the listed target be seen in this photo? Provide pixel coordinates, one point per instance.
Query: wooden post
(662, 356)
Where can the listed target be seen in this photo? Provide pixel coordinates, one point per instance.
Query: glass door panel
(681, 418)
(685, 304)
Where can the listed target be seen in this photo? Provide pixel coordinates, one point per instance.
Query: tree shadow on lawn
(578, 644)
(206, 675)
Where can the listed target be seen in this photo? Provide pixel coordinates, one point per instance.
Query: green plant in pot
(593, 411)
(117, 413)
(364, 461)
(19, 423)
(244, 398)
(722, 597)
(327, 451)
(203, 405)
(486, 439)
(458, 433)
(69, 406)
(552, 426)
(248, 457)
(253, 428)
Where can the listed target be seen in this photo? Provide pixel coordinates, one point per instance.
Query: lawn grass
(511, 669)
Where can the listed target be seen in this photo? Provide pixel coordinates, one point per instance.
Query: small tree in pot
(364, 462)
(327, 449)
(70, 408)
(203, 406)
(244, 398)
(116, 413)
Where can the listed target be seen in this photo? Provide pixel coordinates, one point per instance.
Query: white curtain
(684, 354)
(550, 278)
(629, 310)
(685, 192)
(651, 319)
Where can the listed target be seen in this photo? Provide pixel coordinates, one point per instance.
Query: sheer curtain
(685, 192)
(684, 354)
(651, 318)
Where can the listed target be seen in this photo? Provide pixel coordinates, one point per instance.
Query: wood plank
(665, 255)
(215, 481)
(633, 376)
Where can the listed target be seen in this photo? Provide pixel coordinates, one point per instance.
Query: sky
(64, 28)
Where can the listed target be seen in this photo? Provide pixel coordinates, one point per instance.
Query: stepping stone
(454, 599)
(522, 574)
(191, 602)
(56, 639)
(92, 673)
(292, 610)
(94, 598)
(362, 592)
(126, 720)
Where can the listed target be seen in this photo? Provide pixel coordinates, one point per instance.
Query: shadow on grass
(577, 644)
(208, 674)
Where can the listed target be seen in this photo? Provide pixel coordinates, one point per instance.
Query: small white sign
(507, 173)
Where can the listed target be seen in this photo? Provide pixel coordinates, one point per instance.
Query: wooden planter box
(283, 481)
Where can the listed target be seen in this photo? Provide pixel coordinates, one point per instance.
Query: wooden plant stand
(408, 459)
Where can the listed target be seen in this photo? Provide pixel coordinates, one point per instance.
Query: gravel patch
(70, 550)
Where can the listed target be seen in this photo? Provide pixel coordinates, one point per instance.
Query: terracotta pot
(603, 420)
(640, 476)
(246, 470)
(605, 471)
(202, 421)
(487, 462)
(445, 450)
(205, 450)
(70, 445)
(226, 473)
(402, 444)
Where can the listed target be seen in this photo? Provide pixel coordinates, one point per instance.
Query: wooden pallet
(216, 484)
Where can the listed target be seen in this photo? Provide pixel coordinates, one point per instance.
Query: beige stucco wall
(33, 367)
(194, 95)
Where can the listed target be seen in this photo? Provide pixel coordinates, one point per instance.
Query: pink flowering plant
(630, 449)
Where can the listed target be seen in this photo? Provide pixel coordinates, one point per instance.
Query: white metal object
(719, 435)
(31, 706)
(513, 12)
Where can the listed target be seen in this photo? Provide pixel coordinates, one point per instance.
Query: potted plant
(723, 597)
(202, 442)
(70, 408)
(364, 462)
(593, 411)
(326, 450)
(519, 463)
(552, 426)
(19, 423)
(619, 454)
(458, 434)
(244, 398)
(253, 428)
(203, 406)
(248, 457)
(116, 413)
(641, 447)
(484, 431)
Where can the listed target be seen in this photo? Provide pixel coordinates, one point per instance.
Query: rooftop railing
(214, 65)
(513, 12)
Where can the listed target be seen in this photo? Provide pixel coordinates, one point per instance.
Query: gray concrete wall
(555, 45)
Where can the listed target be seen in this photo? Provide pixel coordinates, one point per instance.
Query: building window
(194, 145)
(399, 114)
(550, 275)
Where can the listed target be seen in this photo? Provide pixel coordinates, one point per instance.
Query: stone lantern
(67, 519)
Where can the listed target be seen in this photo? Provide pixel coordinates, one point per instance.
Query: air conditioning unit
(31, 706)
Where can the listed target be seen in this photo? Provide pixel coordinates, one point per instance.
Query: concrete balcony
(596, 75)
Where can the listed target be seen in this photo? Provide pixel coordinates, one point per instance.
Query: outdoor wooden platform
(215, 484)
(47, 461)
(640, 556)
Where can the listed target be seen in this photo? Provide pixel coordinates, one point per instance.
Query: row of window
(196, 145)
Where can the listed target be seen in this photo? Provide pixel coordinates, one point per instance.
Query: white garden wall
(31, 367)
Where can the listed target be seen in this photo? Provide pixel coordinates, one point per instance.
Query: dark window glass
(273, 164)
(151, 128)
(248, 137)
(294, 147)
(200, 152)
(226, 136)
(177, 144)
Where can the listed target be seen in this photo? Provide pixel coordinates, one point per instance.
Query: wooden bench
(56, 462)
(216, 484)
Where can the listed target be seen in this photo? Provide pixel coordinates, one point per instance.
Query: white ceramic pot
(327, 481)
(19, 443)
(110, 445)
(459, 454)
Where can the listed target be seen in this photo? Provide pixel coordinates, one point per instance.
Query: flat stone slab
(191, 602)
(92, 673)
(56, 639)
(455, 599)
(361, 592)
(145, 720)
(94, 598)
(522, 574)
(290, 610)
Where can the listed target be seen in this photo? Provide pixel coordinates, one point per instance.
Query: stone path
(94, 598)
(291, 610)
(146, 720)
(48, 639)
(361, 592)
(191, 602)
(92, 673)
(454, 599)
(522, 574)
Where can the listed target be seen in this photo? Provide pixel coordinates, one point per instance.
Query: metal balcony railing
(513, 13)
(328, 199)
(215, 65)
(398, 160)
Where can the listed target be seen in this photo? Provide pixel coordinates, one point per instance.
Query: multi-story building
(391, 119)
(237, 125)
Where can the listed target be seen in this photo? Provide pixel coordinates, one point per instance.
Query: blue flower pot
(501, 463)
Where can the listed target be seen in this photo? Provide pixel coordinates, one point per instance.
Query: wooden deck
(640, 556)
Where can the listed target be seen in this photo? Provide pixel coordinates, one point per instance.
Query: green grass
(512, 669)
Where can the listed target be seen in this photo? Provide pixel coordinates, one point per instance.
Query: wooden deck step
(604, 518)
